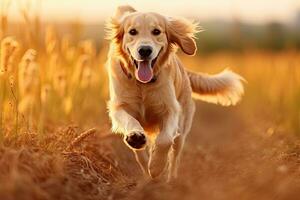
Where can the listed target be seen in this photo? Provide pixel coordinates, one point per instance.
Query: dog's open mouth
(144, 70)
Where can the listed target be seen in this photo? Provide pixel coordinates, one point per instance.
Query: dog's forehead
(142, 18)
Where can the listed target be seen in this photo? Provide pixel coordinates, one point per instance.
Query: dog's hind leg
(142, 159)
(175, 155)
(179, 139)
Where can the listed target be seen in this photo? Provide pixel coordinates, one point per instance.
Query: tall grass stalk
(2, 101)
(14, 93)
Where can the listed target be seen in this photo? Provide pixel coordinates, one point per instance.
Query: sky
(254, 11)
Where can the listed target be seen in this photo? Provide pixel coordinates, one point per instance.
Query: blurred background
(53, 85)
(65, 39)
(233, 25)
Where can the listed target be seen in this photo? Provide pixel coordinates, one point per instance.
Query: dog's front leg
(132, 130)
(163, 142)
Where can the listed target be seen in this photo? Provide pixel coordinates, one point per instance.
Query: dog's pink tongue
(144, 72)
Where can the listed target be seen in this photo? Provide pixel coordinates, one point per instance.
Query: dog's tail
(225, 88)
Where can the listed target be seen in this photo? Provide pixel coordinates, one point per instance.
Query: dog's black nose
(145, 51)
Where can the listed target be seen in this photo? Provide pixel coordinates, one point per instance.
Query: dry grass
(53, 90)
(31, 168)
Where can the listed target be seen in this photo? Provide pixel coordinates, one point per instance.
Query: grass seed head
(28, 73)
(9, 47)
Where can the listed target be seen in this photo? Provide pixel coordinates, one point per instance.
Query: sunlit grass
(53, 77)
(273, 83)
(53, 84)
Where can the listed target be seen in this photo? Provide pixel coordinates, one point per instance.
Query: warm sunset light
(94, 10)
(149, 99)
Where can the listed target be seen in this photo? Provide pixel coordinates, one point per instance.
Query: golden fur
(157, 116)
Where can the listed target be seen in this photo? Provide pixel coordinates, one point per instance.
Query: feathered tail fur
(225, 88)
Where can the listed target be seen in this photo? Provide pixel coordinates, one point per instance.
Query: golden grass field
(53, 90)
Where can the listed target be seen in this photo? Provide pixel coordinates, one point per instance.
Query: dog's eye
(133, 31)
(156, 32)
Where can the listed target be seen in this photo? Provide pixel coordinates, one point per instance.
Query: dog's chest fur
(148, 106)
(148, 103)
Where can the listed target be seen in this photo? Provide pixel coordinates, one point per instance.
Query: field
(55, 139)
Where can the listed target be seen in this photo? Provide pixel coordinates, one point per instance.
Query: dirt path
(226, 157)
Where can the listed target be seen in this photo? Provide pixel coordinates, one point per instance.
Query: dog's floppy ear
(181, 32)
(114, 25)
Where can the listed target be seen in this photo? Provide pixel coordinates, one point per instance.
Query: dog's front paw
(136, 140)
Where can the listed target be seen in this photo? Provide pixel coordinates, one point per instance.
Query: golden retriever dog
(151, 101)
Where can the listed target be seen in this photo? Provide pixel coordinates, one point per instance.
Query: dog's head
(145, 40)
